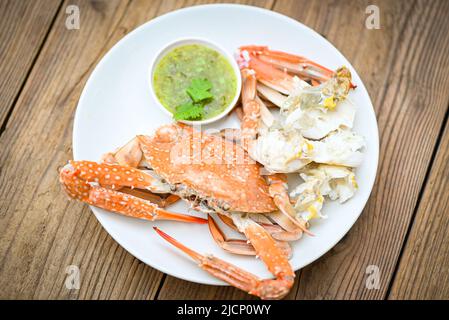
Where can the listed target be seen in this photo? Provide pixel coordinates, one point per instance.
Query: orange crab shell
(210, 166)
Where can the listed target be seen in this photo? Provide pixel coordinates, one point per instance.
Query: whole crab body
(213, 175)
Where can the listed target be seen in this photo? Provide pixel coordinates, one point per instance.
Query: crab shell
(216, 171)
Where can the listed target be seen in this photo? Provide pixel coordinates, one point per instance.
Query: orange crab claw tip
(216, 233)
(304, 229)
(194, 255)
(163, 234)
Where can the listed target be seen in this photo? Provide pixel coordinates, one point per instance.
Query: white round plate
(116, 104)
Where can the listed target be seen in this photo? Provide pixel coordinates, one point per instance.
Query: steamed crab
(312, 135)
(213, 175)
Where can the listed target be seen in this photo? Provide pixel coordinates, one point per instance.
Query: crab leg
(293, 63)
(161, 201)
(228, 221)
(289, 231)
(285, 230)
(80, 181)
(267, 74)
(152, 197)
(303, 67)
(215, 266)
(280, 234)
(265, 248)
(278, 190)
(271, 95)
(275, 260)
(117, 176)
(131, 206)
(251, 108)
(265, 114)
(238, 246)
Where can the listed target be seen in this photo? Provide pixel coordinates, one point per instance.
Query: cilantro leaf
(188, 111)
(199, 90)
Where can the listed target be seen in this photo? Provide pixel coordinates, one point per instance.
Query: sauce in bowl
(176, 70)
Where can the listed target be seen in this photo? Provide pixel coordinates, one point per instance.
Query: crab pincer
(96, 184)
(266, 249)
(278, 189)
(240, 246)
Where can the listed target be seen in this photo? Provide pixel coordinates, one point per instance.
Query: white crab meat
(320, 180)
(309, 201)
(336, 182)
(342, 147)
(316, 123)
(317, 111)
(283, 150)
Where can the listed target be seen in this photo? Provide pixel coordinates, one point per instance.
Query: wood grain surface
(403, 229)
(423, 272)
(23, 28)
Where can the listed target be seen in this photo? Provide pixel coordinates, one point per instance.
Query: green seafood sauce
(175, 71)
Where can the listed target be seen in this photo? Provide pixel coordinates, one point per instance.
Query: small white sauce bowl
(206, 43)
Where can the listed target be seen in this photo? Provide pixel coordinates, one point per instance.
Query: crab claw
(278, 190)
(239, 246)
(267, 74)
(251, 108)
(135, 207)
(236, 246)
(216, 267)
(239, 278)
(293, 63)
(82, 181)
(115, 176)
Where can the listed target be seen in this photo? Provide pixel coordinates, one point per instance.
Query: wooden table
(403, 229)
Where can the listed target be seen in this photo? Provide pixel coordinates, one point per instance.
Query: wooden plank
(23, 26)
(177, 289)
(42, 232)
(410, 101)
(423, 271)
